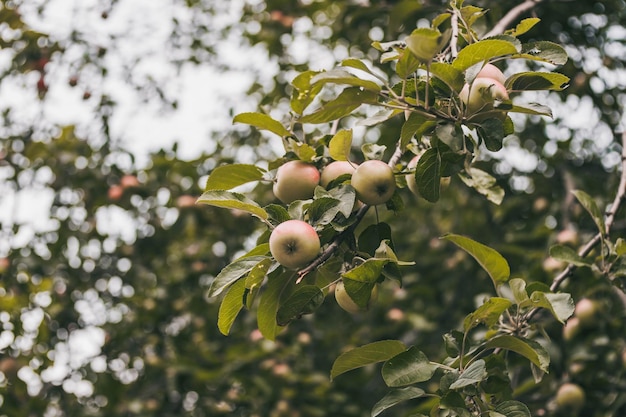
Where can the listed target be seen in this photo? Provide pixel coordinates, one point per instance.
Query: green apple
(482, 93)
(295, 180)
(570, 397)
(336, 169)
(586, 311)
(374, 182)
(571, 328)
(345, 302)
(294, 244)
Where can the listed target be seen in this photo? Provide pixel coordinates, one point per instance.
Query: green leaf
(304, 151)
(373, 151)
(451, 134)
(395, 397)
(543, 51)
(348, 101)
(303, 93)
(257, 274)
(277, 213)
(339, 76)
(532, 108)
(489, 313)
(226, 177)
(518, 287)
(620, 247)
(424, 43)
(270, 300)
(231, 306)
(355, 63)
(340, 145)
(304, 300)
(491, 131)
(370, 238)
(560, 305)
(473, 374)
(496, 266)
(359, 291)
(447, 73)
(530, 349)
(592, 208)
(408, 368)
(380, 117)
(366, 355)
(527, 81)
(524, 26)
(416, 125)
(484, 183)
(407, 64)
(513, 408)
(569, 255)
(263, 122)
(428, 174)
(323, 210)
(232, 273)
(367, 272)
(481, 51)
(227, 199)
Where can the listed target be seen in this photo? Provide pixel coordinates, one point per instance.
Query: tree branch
(512, 15)
(455, 33)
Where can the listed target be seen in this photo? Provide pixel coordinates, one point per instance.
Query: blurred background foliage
(103, 307)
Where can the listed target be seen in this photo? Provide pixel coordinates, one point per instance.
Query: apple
(294, 243)
(336, 169)
(129, 181)
(570, 397)
(585, 311)
(295, 180)
(571, 328)
(410, 178)
(185, 200)
(345, 302)
(482, 93)
(115, 192)
(373, 182)
(493, 72)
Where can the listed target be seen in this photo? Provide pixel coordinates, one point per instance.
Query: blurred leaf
(496, 266)
(304, 300)
(511, 408)
(569, 255)
(592, 208)
(620, 247)
(227, 199)
(489, 313)
(232, 273)
(484, 183)
(229, 176)
(424, 43)
(473, 374)
(263, 122)
(341, 145)
(408, 367)
(530, 349)
(373, 151)
(395, 397)
(482, 51)
(366, 355)
(381, 116)
(348, 101)
(230, 306)
(532, 108)
(518, 287)
(358, 64)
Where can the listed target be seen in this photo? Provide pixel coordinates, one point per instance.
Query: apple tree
(454, 106)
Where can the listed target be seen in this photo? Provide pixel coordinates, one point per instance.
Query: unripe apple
(345, 302)
(481, 95)
(294, 244)
(493, 72)
(570, 397)
(586, 311)
(336, 169)
(410, 178)
(295, 180)
(374, 182)
(571, 328)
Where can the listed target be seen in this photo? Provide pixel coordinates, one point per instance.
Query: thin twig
(455, 33)
(512, 15)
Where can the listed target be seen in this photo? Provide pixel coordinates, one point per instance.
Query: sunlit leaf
(263, 122)
(340, 145)
(339, 76)
(518, 287)
(408, 367)
(227, 199)
(348, 101)
(366, 355)
(496, 266)
(447, 73)
(526, 81)
(229, 176)
(489, 313)
(367, 272)
(231, 306)
(524, 26)
(530, 349)
(482, 51)
(232, 273)
(543, 51)
(532, 108)
(484, 183)
(424, 43)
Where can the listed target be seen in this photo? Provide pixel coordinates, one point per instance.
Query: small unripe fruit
(374, 182)
(294, 244)
(571, 328)
(570, 397)
(586, 311)
(482, 93)
(296, 180)
(346, 303)
(336, 169)
(410, 178)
